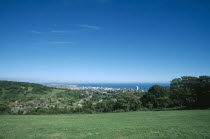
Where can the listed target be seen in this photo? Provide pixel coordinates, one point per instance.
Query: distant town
(99, 89)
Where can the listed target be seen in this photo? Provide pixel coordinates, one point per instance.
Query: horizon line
(81, 82)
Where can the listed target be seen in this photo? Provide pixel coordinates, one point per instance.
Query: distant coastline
(142, 86)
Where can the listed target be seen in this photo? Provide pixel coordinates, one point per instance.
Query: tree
(4, 108)
(157, 97)
(128, 102)
(158, 91)
(101, 107)
(191, 91)
(110, 105)
(87, 106)
(71, 100)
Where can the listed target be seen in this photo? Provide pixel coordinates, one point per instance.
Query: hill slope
(23, 97)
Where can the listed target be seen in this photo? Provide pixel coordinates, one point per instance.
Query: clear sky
(104, 40)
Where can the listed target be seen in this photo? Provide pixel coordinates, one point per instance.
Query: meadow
(139, 124)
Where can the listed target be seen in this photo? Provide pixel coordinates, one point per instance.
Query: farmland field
(141, 124)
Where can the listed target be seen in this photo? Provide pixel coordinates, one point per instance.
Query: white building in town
(137, 88)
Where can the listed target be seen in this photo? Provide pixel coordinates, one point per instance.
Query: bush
(4, 108)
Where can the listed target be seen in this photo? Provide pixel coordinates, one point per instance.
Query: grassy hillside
(143, 124)
(30, 98)
(23, 97)
(21, 91)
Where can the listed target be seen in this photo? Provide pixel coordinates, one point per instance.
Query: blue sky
(104, 40)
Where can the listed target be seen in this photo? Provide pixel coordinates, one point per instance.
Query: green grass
(30, 88)
(54, 92)
(142, 124)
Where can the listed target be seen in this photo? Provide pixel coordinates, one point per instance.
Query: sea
(142, 86)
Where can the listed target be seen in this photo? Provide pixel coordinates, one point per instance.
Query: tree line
(186, 92)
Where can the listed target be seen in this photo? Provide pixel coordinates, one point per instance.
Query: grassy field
(142, 124)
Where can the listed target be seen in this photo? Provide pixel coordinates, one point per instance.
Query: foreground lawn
(143, 124)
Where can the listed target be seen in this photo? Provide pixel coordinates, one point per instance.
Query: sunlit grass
(142, 124)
